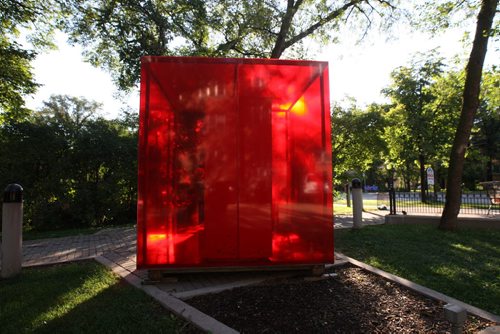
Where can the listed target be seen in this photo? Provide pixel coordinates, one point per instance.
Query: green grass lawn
(81, 297)
(464, 265)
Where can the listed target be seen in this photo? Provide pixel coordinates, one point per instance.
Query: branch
(249, 53)
(368, 19)
(333, 15)
(349, 14)
(286, 22)
(269, 31)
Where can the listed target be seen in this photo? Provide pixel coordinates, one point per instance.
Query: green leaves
(116, 34)
(411, 135)
(357, 143)
(423, 120)
(77, 169)
(16, 77)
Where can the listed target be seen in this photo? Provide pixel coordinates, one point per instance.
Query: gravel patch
(354, 301)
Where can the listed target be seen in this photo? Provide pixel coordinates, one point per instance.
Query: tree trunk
(489, 169)
(286, 22)
(469, 107)
(407, 180)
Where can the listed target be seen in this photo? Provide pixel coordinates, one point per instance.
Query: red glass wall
(234, 163)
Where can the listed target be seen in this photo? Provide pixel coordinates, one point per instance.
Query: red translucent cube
(234, 163)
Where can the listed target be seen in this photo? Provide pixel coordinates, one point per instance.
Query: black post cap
(13, 193)
(356, 183)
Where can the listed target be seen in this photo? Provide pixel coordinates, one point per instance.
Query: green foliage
(77, 169)
(419, 125)
(438, 15)
(444, 111)
(414, 125)
(16, 77)
(464, 265)
(357, 143)
(424, 118)
(115, 34)
(79, 297)
(485, 140)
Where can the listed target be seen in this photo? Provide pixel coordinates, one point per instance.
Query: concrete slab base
(490, 330)
(463, 222)
(175, 305)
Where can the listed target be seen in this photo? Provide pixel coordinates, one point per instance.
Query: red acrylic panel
(234, 163)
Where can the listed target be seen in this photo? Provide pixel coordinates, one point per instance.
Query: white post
(357, 203)
(12, 224)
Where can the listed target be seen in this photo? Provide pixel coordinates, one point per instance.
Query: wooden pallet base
(160, 274)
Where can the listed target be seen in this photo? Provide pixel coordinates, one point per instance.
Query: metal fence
(475, 203)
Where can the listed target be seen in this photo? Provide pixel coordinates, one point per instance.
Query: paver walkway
(116, 248)
(117, 244)
(80, 247)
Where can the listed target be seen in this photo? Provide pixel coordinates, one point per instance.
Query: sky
(360, 70)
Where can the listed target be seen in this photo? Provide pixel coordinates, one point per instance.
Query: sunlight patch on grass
(91, 287)
(463, 247)
(82, 297)
(464, 265)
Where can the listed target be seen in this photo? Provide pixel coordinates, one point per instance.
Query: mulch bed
(355, 301)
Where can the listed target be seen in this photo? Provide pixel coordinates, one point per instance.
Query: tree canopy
(16, 73)
(413, 134)
(77, 168)
(357, 143)
(470, 104)
(115, 34)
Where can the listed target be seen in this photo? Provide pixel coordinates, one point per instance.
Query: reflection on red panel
(234, 163)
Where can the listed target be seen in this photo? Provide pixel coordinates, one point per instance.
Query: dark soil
(355, 301)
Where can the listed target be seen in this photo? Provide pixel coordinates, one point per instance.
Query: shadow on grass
(79, 298)
(28, 297)
(464, 265)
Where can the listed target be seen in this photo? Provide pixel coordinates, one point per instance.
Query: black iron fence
(475, 203)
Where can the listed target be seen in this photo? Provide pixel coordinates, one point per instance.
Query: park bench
(493, 190)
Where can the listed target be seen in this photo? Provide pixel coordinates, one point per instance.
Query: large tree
(410, 135)
(77, 169)
(357, 143)
(486, 131)
(115, 34)
(16, 75)
(470, 105)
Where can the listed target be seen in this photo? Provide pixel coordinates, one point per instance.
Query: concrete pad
(188, 285)
(177, 306)
(215, 288)
(463, 222)
(369, 218)
(490, 330)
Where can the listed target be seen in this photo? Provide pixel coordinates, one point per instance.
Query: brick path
(118, 245)
(58, 250)
(117, 248)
